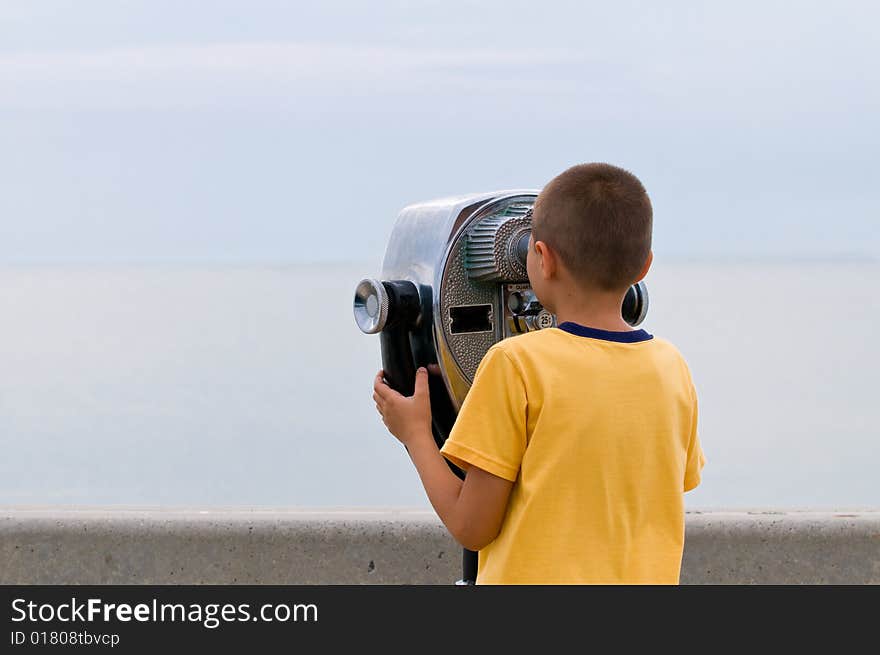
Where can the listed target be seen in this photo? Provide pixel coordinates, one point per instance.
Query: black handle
(398, 363)
(397, 357)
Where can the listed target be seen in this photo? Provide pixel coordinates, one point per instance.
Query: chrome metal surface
(544, 319)
(502, 217)
(424, 236)
(370, 306)
(491, 249)
(522, 310)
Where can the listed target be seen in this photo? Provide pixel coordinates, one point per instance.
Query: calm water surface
(242, 386)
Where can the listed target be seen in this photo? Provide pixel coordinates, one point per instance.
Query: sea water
(251, 385)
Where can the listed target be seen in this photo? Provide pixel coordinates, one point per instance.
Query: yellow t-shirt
(598, 432)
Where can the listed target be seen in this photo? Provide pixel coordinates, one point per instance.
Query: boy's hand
(407, 418)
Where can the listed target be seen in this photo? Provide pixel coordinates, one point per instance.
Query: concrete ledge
(58, 545)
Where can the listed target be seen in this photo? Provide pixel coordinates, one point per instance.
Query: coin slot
(470, 318)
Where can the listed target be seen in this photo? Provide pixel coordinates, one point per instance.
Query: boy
(577, 441)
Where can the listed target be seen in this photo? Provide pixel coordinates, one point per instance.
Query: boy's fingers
(382, 390)
(421, 382)
(385, 392)
(380, 387)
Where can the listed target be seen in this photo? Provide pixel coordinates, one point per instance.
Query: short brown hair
(598, 218)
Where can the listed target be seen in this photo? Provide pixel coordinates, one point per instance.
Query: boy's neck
(596, 309)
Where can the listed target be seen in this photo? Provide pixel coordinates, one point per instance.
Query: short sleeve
(490, 431)
(695, 457)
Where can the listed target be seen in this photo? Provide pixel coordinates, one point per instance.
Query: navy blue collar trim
(631, 336)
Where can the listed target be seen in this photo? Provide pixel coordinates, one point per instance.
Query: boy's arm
(472, 509)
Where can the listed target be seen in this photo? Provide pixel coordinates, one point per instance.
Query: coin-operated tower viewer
(453, 283)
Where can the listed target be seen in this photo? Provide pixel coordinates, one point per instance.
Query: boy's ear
(647, 266)
(549, 262)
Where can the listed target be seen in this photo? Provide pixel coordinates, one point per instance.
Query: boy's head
(596, 220)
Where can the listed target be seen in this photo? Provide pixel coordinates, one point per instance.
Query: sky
(260, 131)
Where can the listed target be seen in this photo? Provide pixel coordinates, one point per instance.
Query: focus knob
(380, 305)
(371, 304)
